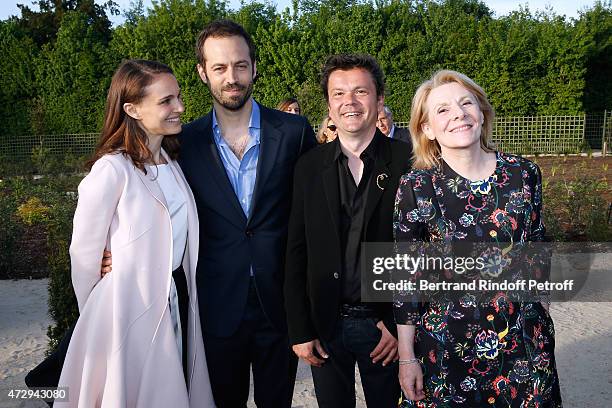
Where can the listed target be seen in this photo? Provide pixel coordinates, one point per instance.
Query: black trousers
(352, 342)
(182, 292)
(258, 344)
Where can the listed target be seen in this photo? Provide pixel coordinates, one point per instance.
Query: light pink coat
(123, 350)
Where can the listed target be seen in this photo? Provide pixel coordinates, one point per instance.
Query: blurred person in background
(384, 122)
(327, 131)
(289, 105)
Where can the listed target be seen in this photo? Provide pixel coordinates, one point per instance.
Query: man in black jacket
(344, 195)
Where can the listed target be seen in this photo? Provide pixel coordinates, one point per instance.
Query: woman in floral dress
(477, 351)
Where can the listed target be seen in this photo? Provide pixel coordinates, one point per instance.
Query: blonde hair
(426, 153)
(322, 133)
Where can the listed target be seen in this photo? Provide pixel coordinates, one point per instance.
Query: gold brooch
(379, 179)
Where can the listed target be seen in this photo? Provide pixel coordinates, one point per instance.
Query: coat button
(336, 276)
(249, 233)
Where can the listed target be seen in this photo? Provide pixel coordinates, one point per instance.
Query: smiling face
(352, 102)
(159, 111)
(228, 71)
(454, 118)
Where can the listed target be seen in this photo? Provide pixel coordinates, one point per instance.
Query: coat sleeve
(297, 304)
(407, 228)
(99, 194)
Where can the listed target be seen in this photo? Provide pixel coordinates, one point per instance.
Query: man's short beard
(233, 104)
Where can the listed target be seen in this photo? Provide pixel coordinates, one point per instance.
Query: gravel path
(583, 349)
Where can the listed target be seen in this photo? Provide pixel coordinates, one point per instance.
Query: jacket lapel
(331, 186)
(270, 136)
(381, 178)
(212, 160)
(149, 180)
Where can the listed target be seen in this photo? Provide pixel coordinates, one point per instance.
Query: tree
(42, 25)
(73, 76)
(17, 83)
(596, 25)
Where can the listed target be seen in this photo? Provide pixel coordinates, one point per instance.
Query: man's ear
(427, 130)
(202, 73)
(131, 110)
(254, 70)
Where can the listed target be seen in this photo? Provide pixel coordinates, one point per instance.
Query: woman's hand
(411, 381)
(107, 263)
(410, 373)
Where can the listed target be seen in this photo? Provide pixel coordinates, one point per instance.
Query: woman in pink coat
(138, 341)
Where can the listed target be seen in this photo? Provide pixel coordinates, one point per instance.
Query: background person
(327, 131)
(481, 350)
(290, 105)
(138, 337)
(385, 123)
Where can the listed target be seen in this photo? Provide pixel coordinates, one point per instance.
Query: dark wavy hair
(223, 29)
(345, 62)
(121, 133)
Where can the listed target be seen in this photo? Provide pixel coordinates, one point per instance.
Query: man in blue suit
(239, 160)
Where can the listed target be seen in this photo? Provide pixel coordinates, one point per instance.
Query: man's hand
(411, 381)
(305, 352)
(107, 263)
(386, 349)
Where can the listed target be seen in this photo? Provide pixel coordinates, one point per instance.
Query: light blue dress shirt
(241, 173)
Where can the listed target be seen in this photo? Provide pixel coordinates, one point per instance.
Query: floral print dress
(478, 351)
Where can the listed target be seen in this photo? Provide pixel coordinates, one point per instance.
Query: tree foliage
(59, 59)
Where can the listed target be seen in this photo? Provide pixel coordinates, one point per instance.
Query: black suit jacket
(229, 242)
(402, 134)
(313, 284)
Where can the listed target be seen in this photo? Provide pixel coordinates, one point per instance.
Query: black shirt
(353, 199)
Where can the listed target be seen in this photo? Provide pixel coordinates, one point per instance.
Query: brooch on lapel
(380, 179)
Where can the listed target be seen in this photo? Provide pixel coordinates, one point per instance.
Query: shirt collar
(254, 124)
(369, 153)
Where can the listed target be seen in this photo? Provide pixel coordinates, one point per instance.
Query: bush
(62, 300)
(33, 211)
(10, 230)
(43, 161)
(575, 210)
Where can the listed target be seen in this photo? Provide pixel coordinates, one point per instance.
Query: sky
(568, 8)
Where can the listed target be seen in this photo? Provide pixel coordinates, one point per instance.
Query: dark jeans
(353, 341)
(256, 343)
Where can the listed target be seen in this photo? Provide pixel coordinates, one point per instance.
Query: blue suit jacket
(229, 242)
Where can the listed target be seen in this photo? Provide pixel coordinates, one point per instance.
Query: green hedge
(530, 63)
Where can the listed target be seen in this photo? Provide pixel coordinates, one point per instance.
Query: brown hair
(426, 153)
(121, 133)
(223, 29)
(284, 104)
(344, 62)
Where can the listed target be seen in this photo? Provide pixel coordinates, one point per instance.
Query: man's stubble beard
(233, 104)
